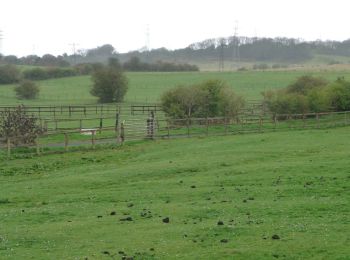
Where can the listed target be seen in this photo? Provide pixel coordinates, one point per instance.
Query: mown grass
(148, 87)
(290, 185)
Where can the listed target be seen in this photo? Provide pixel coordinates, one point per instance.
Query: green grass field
(111, 202)
(148, 87)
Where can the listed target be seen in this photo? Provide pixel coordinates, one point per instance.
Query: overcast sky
(50, 26)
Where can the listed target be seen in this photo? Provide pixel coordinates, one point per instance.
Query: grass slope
(293, 184)
(148, 87)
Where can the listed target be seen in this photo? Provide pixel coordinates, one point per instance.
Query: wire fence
(116, 130)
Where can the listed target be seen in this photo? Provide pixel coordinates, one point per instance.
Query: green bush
(339, 95)
(318, 100)
(109, 83)
(262, 66)
(27, 90)
(306, 94)
(35, 74)
(306, 83)
(49, 73)
(61, 72)
(281, 102)
(9, 74)
(208, 99)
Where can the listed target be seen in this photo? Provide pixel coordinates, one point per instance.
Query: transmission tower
(74, 49)
(235, 48)
(222, 55)
(148, 36)
(1, 38)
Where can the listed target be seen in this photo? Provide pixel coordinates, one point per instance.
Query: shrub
(306, 94)
(183, 102)
(84, 68)
(19, 126)
(208, 99)
(35, 74)
(49, 73)
(339, 95)
(61, 72)
(9, 74)
(27, 90)
(306, 83)
(281, 102)
(318, 100)
(109, 83)
(262, 66)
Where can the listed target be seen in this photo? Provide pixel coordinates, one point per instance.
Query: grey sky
(49, 26)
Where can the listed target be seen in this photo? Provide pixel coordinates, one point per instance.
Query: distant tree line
(251, 49)
(11, 74)
(34, 60)
(261, 50)
(135, 64)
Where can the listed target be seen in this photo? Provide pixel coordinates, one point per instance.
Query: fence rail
(118, 131)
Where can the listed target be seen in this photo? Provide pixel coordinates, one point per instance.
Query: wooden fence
(119, 131)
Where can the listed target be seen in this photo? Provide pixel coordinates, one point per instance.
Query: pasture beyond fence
(64, 134)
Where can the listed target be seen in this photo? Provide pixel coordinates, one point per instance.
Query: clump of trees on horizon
(135, 64)
(251, 49)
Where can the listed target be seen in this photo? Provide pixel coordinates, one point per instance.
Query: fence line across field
(103, 109)
(153, 128)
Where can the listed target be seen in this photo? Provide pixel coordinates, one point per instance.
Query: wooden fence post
(150, 126)
(8, 147)
(37, 146)
(66, 140)
(207, 122)
(122, 136)
(101, 124)
(318, 120)
(168, 128)
(260, 123)
(188, 127)
(116, 122)
(93, 138)
(242, 125)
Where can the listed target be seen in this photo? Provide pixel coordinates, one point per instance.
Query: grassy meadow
(259, 196)
(148, 87)
(276, 195)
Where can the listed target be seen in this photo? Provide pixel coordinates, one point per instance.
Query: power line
(235, 48)
(1, 38)
(148, 41)
(222, 55)
(74, 45)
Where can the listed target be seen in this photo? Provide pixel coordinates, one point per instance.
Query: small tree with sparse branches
(19, 127)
